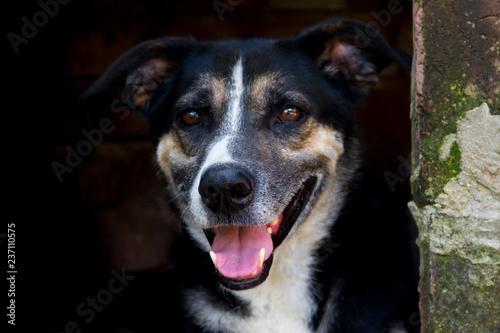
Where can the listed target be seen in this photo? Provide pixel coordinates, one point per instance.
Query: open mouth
(243, 255)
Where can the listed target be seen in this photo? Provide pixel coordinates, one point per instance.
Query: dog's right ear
(134, 77)
(351, 51)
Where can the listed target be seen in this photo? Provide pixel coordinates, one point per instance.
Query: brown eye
(290, 115)
(190, 118)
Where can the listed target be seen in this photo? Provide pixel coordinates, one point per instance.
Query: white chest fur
(283, 303)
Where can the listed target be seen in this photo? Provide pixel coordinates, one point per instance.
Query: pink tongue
(237, 249)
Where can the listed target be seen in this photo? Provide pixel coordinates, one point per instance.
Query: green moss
(452, 164)
(458, 92)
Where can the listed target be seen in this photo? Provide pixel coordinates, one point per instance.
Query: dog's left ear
(350, 51)
(137, 74)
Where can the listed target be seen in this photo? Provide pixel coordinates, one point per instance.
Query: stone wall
(456, 172)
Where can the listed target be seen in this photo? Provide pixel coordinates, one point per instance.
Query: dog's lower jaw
(282, 303)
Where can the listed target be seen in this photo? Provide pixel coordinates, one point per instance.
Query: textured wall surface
(456, 163)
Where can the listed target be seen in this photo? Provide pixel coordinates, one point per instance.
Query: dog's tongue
(237, 249)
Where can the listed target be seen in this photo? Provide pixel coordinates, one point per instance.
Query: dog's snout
(226, 188)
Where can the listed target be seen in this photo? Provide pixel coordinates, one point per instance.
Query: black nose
(226, 188)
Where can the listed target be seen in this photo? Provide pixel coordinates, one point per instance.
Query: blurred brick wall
(116, 187)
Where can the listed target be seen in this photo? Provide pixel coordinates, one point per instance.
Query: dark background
(108, 213)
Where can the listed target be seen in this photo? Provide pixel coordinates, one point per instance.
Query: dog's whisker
(182, 216)
(173, 198)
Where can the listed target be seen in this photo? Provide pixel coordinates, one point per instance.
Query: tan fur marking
(262, 82)
(318, 141)
(216, 88)
(169, 151)
(260, 87)
(170, 156)
(324, 142)
(219, 95)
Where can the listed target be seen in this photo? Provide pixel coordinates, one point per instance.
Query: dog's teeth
(275, 222)
(270, 230)
(262, 253)
(214, 258)
(254, 272)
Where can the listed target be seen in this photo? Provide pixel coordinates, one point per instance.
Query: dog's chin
(278, 230)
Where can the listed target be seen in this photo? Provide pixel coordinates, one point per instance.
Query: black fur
(369, 257)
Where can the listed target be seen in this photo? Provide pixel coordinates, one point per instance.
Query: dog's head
(252, 134)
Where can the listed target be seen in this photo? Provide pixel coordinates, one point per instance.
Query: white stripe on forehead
(232, 121)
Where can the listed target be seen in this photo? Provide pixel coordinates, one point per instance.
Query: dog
(257, 149)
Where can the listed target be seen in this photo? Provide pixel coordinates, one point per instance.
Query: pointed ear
(134, 77)
(350, 51)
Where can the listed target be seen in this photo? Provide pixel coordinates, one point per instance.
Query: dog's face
(251, 135)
